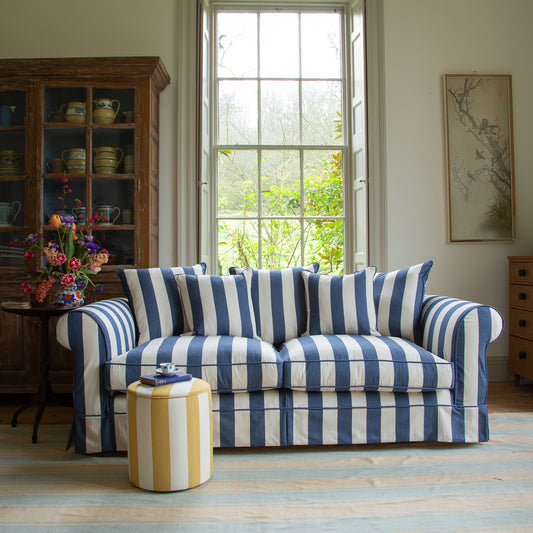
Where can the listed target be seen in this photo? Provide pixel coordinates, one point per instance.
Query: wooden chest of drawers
(521, 316)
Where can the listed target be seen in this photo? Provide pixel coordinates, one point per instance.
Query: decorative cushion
(398, 297)
(339, 305)
(155, 301)
(278, 298)
(218, 305)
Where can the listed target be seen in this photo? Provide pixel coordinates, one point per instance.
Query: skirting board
(497, 366)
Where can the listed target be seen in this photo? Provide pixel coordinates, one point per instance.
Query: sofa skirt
(288, 418)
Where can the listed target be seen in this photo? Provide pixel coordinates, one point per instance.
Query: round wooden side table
(44, 392)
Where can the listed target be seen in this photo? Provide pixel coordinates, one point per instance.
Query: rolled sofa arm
(460, 331)
(95, 333)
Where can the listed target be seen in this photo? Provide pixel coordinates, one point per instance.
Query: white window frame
(376, 219)
(343, 146)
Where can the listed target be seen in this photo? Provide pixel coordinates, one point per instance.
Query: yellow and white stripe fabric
(170, 435)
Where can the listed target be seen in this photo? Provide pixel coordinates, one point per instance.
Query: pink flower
(43, 288)
(26, 287)
(60, 258)
(67, 279)
(50, 255)
(28, 254)
(74, 263)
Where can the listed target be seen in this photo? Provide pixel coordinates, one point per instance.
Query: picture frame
(480, 158)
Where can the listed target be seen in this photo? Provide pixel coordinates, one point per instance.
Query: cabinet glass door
(12, 169)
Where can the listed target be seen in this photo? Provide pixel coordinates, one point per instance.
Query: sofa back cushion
(398, 297)
(218, 305)
(278, 298)
(338, 305)
(155, 301)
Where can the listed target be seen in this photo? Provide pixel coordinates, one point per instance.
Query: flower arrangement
(71, 259)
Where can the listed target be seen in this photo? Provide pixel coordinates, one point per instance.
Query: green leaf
(69, 244)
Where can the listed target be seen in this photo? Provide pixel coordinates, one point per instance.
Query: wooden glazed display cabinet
(51, 109)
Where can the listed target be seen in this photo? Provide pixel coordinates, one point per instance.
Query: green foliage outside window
(281, 246)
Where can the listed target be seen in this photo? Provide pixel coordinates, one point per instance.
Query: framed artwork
(479, 149)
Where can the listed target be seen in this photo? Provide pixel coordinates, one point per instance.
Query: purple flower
(92, 247)
(31, 238)
(99, 289)
(67, 220)
(80, 284)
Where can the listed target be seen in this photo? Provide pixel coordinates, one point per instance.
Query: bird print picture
(480, 157)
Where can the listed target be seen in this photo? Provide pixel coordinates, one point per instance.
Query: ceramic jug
(76, 111)
(76, 161)
(107, 159)
(79, 213)
(9, 212)
(56, 166)
(104, 111)
(110, 213)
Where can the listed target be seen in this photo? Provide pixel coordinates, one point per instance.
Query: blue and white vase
(69, 296)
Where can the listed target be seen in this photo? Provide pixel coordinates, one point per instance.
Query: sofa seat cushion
(362, 363)
(228, 364)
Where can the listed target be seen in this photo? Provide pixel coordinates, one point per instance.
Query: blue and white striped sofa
(421, 376)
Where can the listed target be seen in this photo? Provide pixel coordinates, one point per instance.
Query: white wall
(425, 39)
(81, 28)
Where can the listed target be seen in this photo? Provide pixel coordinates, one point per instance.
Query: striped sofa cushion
(218, 305)
(398, 297)
(278, 298)
(336, 362)
(228, 364)
(155, 301)
(340, 304)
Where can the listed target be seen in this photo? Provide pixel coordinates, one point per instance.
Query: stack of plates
(11, 162)
(11, 254)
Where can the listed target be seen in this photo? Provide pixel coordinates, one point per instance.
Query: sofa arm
(95, 333)
(460, 331)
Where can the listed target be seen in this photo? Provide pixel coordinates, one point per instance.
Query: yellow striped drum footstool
(170, 435)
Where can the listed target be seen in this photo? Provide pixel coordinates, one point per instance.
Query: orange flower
(55, 221)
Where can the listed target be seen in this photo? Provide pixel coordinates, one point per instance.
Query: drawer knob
(522, 296)
(522, 272)
(522, 323)
(522, 355)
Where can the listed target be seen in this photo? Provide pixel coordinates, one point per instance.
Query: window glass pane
(324, 243)
(321, 112)
(280, 182)
(237, 112)
(237, 244)
(237, 182)
(323, 185)
(280, 243)
(237, 45)
(279, 112)
(321, 45)
(279, 45)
